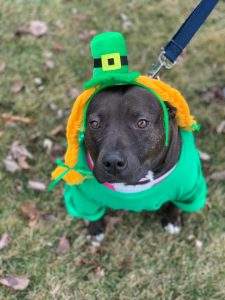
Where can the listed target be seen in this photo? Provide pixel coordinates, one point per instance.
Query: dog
(125, 139)
(130, 145)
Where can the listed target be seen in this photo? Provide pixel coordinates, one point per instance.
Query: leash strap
(183, 36)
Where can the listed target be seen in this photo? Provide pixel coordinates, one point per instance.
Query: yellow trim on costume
(105, 62)
(75, 121)
(174, 97)
(73, 126)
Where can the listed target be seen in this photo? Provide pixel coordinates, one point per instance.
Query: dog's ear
(171, 110)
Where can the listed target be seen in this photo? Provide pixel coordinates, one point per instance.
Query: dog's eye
(142, 123)
(94, 124)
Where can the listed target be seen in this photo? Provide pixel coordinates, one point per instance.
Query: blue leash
(183, 36)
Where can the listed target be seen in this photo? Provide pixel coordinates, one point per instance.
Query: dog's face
(125, 134)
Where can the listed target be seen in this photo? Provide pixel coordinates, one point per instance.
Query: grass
(139, 260)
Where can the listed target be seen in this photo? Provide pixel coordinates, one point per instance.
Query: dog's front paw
(96, 240)
(172, 228)
(96, 231)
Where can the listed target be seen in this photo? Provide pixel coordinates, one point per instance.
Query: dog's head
(125, 134)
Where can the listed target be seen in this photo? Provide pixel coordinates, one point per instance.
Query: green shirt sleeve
(81, 207)
(196, 199)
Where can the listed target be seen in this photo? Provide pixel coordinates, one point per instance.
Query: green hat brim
(111, 79)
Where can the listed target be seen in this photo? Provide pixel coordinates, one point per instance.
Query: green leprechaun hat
(109, 53)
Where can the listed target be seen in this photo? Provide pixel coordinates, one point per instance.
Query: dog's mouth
(110, 179)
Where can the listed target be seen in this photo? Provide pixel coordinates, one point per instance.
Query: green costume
(85, 198)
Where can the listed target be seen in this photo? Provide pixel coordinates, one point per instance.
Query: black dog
(125, 138)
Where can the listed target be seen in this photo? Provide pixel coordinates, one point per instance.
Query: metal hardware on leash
(162, 61)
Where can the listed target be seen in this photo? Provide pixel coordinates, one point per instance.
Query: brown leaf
(16, 159)
(57, 47)
(63, 246)
(221, 127)
(218, 176)
(30, 211)
(99, 272)
(2, 66)
(9, 118)
(73, 93)
(38, 28)
(36, 185)
(17, 86)
(4, 240)
(49, 64)
(112, 222)
(17, 150)
(204, 156)
(23, 163)
(58, 129)
(86, 35)
(15, 282)
(10, 164)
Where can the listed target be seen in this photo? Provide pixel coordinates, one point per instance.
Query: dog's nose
(114, 162)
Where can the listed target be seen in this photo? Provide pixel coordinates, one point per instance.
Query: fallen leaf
(36, 185)
(221, 127)
(30, 211)
(63, 246)
(204, 156)
(47, 144)
(38, 28)
(59, 114)
(111, 222)
(48, 217)
(126, 22)
(58, 129)
(2, 66)
(17, 86)
(15, 282)
(17, 150)
(8, 118)
(10, 164)
(57, 47)
(16, 159)
(198, 244)
(23, 163)
(4, 240)
(86, 35)
(99, 272)
(73, 93)
(38, 81)
(49, 64)
(218, 176)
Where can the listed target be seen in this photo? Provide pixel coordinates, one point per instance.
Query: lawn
(39, 78)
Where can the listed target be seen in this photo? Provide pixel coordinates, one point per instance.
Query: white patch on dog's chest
(124, 188)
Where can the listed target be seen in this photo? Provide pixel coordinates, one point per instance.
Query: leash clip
(162, 61)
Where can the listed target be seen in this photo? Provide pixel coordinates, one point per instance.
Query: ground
(138, 260)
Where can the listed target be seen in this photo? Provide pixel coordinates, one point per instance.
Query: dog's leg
(96, 231)
(171, 218)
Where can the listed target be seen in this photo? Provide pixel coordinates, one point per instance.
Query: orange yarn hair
(75, 122)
